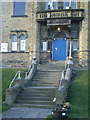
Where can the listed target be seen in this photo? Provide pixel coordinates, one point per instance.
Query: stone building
(55, 29)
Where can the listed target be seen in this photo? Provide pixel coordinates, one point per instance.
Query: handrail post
(26, 76)
(62, 77)
(19, 75)
(70, 50)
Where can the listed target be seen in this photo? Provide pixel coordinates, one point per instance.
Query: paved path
(0, 116)
(15, 112)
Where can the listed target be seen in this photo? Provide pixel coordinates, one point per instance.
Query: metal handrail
(62, 77)
(19, 76)
(29, 69)
(13, 79)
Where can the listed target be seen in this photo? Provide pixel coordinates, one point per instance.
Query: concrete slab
(16, 112)
(0, 116)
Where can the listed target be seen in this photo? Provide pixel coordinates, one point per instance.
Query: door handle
(56, 49)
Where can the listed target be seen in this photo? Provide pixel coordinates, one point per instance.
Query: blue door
(59, 49)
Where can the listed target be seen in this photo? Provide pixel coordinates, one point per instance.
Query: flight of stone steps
(41, 91)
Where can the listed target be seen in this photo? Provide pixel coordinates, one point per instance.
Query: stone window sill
(15, 16)
(14, 52)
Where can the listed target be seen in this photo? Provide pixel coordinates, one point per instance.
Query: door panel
(59, 49)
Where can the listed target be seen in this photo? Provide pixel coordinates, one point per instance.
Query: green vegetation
(7, 76)
(78, 95)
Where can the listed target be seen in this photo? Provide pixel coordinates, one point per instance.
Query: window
(14, 42)
(22, 42)
(51, 4)
(69, 4)
(19, 8)
(64, 4)
(75, 45)
(44, 46)
(74, 4)
(4, 47)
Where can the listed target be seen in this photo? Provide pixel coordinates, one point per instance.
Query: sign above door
(60, 14)
(58, 22)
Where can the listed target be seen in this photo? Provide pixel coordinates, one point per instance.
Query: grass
(7, 76)
(78, 95)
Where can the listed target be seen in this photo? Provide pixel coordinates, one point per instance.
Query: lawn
(7, 75)
(78, 95)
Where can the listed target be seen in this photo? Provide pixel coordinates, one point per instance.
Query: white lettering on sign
(4, 47)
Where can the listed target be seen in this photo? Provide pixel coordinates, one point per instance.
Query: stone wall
(83, 37)
(15, 60)
(11, 23)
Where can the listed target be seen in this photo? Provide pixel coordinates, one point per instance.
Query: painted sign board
(59, 14)
(4, 47)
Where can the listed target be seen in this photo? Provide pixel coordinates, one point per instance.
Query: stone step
(36, 94)
(46, 74)
(44, 81)
(44, 88)
(48, 85)
(35, 102)
(33, 105)
(49, 70)
(46, 78)
(43, 84)
(49, 98)
(40, 88)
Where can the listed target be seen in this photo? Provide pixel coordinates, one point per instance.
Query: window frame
(19, 15)
(44, 46)
(70, 4)
(20, 41)
(74, 45)
(14, 41)
(51, 3)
